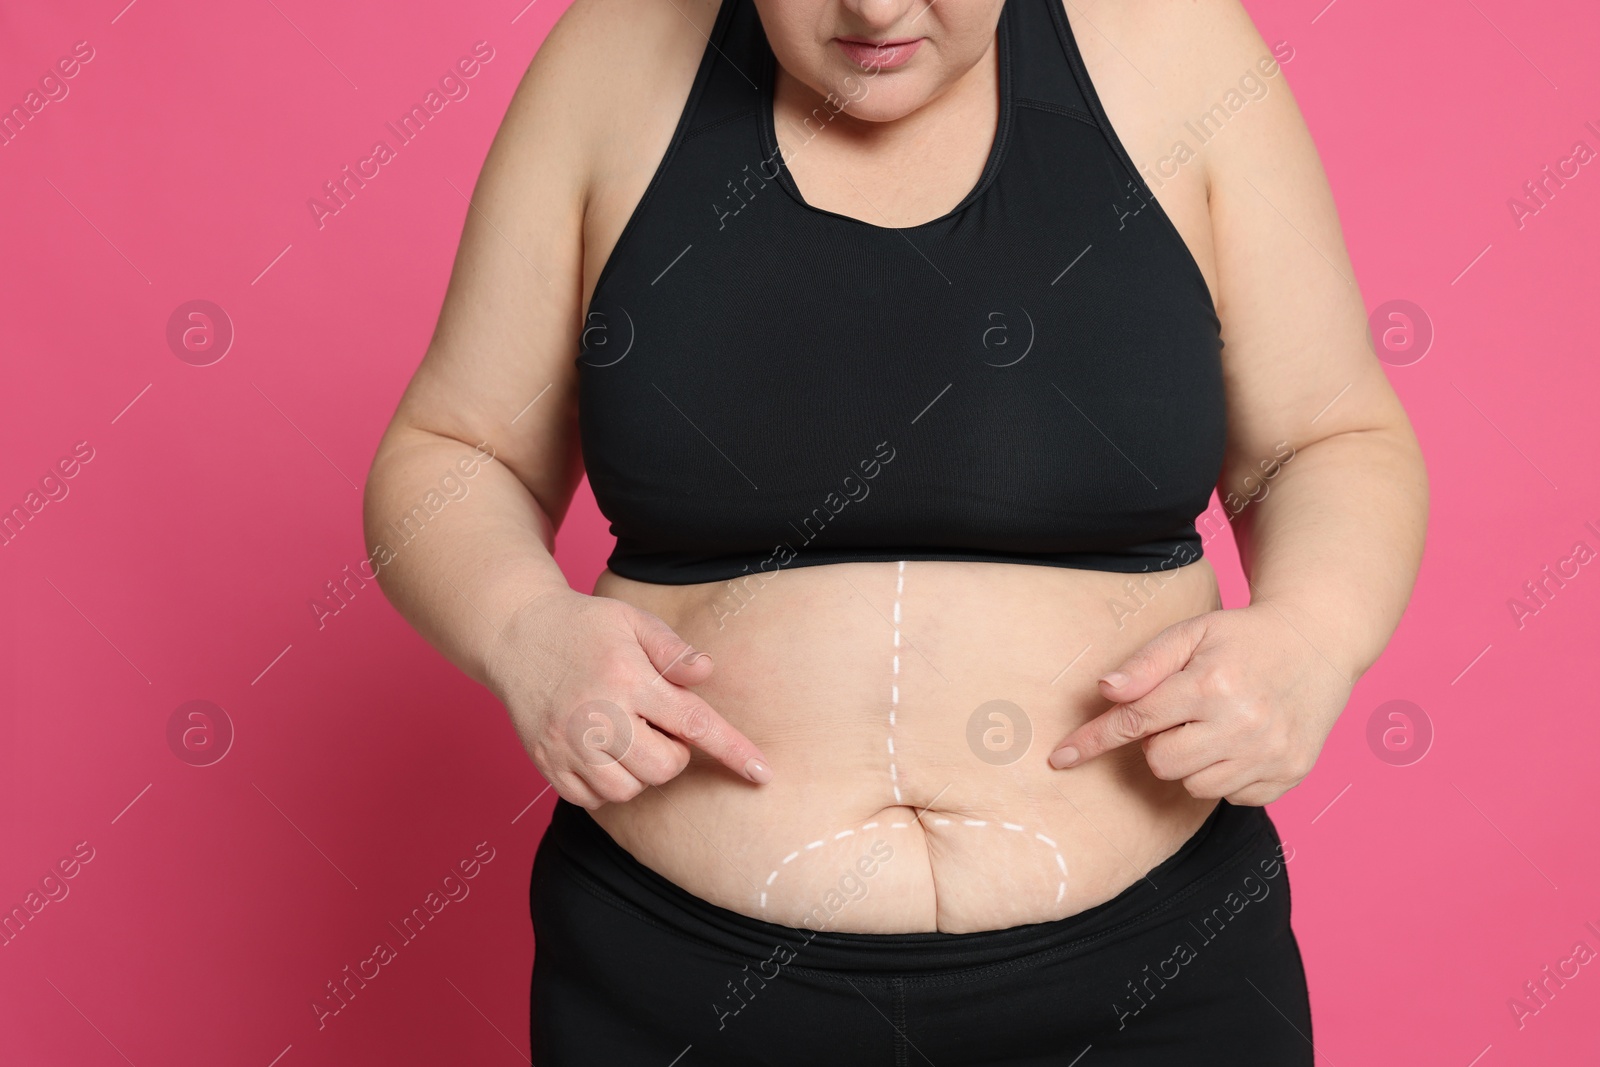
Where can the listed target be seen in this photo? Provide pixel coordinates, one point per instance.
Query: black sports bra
(1033, 377)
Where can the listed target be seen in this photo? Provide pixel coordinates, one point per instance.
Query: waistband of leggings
(1230, 834)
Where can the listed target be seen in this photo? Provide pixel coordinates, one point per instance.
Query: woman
(906, 723)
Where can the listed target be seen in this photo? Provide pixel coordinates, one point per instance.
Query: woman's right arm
(477, 468)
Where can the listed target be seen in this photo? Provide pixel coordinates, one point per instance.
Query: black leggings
(1194, 965)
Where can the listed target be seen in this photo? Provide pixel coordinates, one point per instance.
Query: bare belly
(908, 711)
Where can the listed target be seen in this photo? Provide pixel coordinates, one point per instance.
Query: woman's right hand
(597, 690)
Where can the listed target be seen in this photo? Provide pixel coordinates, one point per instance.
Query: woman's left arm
(1323, 480)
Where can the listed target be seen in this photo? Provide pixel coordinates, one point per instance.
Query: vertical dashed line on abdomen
(894, 682)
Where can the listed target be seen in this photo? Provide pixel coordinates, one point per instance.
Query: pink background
(220, 899)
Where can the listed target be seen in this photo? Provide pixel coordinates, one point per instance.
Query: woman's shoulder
(611, 78)
(1189, 39)
(1178, 73)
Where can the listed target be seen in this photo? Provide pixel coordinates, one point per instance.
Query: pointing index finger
(1113, 728)
(686, 716)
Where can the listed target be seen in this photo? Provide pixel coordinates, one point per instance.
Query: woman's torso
(908, 704)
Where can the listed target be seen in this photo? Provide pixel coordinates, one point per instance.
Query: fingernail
(1116, 679)
(757, 771)
(1063, 757)
(695, 656)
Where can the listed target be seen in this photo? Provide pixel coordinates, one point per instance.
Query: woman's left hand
(1235, 703)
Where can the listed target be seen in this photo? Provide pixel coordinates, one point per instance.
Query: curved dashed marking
(1060, 861)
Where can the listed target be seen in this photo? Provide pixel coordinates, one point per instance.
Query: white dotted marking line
(894, 685)
(1060, 861)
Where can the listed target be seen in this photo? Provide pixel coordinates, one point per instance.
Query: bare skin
(834, 713)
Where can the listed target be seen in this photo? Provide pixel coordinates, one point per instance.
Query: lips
(880, 55)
